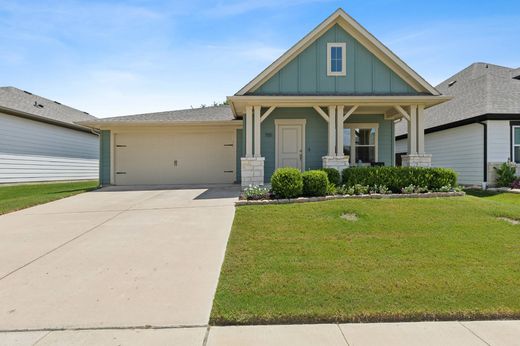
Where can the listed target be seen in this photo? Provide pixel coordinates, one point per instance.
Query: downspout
(484, 183)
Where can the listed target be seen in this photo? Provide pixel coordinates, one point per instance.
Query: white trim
(343, 47)
(112, 157)
(322, 113)
(257, 135)
(277, 123)
(513, 145)
(353, 126)
(332, 131)
(350, 112)
(365, 38)
(267, 113)
(249, 131)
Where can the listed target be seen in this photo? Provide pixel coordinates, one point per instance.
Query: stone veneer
(252, 171)
(338, 162)
(417, 160)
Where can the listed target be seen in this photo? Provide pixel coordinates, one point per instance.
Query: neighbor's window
(336, 62)
(516, 144)
(360, 143)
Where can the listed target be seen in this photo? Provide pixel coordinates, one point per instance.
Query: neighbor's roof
(37, 107)
(204, 114)
(479, 89)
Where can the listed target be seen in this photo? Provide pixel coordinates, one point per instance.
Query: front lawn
(402, 259)
(17, 197)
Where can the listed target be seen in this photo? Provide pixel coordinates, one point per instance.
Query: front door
(290, 139)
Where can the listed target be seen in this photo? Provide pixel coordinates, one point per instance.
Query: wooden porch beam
(267, 113)
(402, 112)
(322, 113)
(350, 112)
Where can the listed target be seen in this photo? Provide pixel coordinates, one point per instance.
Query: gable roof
(36, 107)
(479, 89)
(205, 114)
(352, 27)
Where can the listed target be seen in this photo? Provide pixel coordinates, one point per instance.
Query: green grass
(404, 259)
(16, 197)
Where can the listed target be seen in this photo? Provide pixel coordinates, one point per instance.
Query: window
(336, 61)
(360, 143)
(516, 144)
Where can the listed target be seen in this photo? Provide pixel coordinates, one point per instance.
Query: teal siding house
(329, 101)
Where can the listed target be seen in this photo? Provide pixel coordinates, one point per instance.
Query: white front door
(290, 143)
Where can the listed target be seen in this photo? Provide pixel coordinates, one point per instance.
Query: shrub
(397, 178)
(515, 184)
(254, 192)
(333, 175)
(331, 189)
(360, 189)
(506, 174)
(287, 183)
(315, 183)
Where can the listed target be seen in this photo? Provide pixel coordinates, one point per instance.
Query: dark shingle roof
(40, 107)
(479, 89)
(214, 113)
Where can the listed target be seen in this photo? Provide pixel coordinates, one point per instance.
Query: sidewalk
(388, 334)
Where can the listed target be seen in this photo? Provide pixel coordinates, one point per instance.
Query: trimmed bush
(397, 178)
(315, 183)
(333, 176)
(287, 183)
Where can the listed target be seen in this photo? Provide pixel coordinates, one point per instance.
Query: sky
(113, 58)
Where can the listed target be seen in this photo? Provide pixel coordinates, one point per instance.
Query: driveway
(115, 258)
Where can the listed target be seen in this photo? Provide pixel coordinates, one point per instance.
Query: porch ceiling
(366, 104)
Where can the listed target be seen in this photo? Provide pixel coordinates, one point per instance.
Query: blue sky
(124, 57)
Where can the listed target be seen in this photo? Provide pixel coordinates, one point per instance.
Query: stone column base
(417, 160)
(252, 171)
(338, 162)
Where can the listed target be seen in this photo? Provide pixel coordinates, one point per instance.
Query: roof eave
(35, 117)
(101, 125)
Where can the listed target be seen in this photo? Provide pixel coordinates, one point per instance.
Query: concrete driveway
(115, 258)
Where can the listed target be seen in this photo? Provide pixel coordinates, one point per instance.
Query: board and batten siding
(460, 148)
(33, 151)
(306, 74)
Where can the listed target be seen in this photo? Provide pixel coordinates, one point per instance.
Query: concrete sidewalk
(388, 334)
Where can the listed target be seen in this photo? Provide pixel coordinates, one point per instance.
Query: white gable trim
(365, 38)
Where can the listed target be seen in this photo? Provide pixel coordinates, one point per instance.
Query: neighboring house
(329, 101)
(40, 142)
(479, 129)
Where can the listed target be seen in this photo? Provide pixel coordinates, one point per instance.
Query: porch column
(249, 131)
(257, 130)
(412, 131)
(332, 123)
(420, 129)
(252, 166)
(339, 131)
(416, 156)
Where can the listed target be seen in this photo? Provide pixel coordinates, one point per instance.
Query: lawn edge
(375, 318)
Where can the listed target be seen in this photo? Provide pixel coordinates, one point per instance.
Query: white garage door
(175, 157)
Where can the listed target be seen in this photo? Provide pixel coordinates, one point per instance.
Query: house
(330, 101)
(39, 140)
(479, 128)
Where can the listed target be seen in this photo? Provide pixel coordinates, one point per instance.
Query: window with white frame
(360, 143)
(516, 144)
(336, 59)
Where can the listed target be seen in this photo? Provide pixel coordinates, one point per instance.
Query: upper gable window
(336, 59)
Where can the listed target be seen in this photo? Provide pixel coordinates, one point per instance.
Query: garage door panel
(175, 158)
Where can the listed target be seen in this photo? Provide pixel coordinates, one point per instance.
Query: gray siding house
(39, 140)
(478, 129)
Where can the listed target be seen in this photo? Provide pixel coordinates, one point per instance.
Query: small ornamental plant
(254, 192)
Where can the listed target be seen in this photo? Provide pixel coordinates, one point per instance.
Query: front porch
(317, 132)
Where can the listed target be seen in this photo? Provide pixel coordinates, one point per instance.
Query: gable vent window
(336, 59)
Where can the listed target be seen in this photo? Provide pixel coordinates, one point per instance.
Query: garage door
(175, 157)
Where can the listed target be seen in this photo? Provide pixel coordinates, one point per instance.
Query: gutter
(485, 151)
